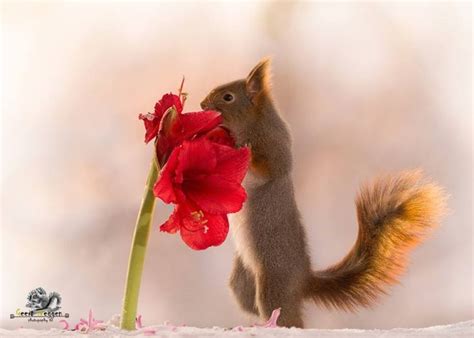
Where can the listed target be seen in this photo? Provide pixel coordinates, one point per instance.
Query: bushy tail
(394, 213)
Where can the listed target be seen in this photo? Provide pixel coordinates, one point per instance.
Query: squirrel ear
(258, 81)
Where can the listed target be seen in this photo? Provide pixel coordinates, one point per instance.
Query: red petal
(212, 230)
(165, 143)
(167, 101)
(151, 127)
(165, 187)
(173, 224)
(176, 128)
(191, 124)
(198, 230)
(232, 164)
(220, 135)
(207, 173)
(215, 194)
(196, 157)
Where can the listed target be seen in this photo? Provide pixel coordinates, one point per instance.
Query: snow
(463, 329)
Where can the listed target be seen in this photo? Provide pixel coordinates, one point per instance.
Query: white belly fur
(243, 246)
(240, 227)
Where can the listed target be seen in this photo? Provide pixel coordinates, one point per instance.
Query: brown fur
(395, 213)
(272, 267)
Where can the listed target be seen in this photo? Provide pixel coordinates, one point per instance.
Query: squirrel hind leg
(242, 284)
(274, 292)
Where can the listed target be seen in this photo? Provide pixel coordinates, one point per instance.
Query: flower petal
(197, 157)
(167, 101)
(165, 187)
(215, 194)
(165, 143)
(232, 164)
(199, 230)
(173, 224)
(220, 135)
(212, 233)
(191, 124)
(152, 121)
(152, 125)
(177, 128)
(206, 173)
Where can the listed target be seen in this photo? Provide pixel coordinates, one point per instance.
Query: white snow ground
(463, 329)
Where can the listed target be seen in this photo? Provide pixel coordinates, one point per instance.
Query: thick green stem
(137, 252)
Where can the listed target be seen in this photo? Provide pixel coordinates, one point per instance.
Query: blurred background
(366, 87)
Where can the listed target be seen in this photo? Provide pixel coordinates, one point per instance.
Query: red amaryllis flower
(203, 178)
(202, 171)
(152, 120)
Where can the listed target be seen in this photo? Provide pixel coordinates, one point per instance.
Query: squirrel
(38, 300)
(272, 267)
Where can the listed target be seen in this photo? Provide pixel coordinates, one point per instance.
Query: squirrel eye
(228, 97)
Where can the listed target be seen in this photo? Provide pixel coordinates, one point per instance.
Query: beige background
(366, 88)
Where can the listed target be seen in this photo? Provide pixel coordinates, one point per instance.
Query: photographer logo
(43, 307)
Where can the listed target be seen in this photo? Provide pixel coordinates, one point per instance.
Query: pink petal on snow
(66, 324)
(272, 322)
(149, 332)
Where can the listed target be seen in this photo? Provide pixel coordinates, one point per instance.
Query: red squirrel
(272, 267)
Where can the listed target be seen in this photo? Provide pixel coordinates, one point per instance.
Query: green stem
(138, 250)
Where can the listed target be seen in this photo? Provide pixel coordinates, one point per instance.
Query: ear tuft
(258, 81)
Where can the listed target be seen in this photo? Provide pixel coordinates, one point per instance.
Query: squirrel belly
(241, 225)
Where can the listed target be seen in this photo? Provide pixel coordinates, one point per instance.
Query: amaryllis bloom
(152, 120)
(201, 171)
(203, 179)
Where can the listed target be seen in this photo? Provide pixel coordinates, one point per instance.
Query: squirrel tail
(395, 213)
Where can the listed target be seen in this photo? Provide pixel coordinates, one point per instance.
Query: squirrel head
(242, 102)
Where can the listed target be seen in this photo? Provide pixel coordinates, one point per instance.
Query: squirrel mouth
(223, 126)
